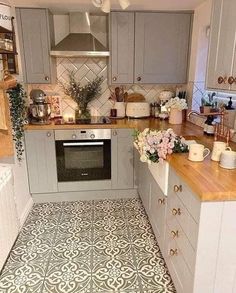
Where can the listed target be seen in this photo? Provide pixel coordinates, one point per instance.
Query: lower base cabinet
(197, 239)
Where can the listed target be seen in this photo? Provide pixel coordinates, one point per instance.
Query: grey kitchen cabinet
(149, 47)
(122, 47)
(41, 161)
(221, 72)
(144, 184)
(122, 159)
(162, 47)
(36, 38)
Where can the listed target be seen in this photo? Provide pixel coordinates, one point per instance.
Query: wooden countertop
(207, 179)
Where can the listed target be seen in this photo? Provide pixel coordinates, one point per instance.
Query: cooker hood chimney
(88, 37)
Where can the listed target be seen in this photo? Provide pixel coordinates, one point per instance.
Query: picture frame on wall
(56, 106)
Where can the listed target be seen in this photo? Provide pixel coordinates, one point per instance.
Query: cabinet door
(222, 44)
(122, 47)
(41, 161)
(144, 185)
(157, 212)
(162, 47)
(122, 159)
(33, 25)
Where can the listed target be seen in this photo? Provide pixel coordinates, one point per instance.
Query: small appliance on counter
(138, 110)
(40, 110)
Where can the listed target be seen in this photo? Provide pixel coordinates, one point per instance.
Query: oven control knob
(74, 136)
(92, 136)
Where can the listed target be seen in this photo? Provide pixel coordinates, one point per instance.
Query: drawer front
(188, 198)
(180, 273)
(185, 220)
(176, 232)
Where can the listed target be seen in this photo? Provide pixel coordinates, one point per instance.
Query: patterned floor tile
(104, 246)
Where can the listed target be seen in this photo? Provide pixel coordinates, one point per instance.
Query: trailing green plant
(17, 97)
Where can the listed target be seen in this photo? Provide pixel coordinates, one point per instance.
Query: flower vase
(82, 115)
(176, 116)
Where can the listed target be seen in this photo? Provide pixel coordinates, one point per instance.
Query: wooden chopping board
(135, 97)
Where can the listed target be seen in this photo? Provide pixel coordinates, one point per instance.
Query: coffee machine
(40, 110)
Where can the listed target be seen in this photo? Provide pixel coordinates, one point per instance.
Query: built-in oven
(83, 154)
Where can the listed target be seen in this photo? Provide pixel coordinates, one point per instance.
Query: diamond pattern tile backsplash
(87, 69)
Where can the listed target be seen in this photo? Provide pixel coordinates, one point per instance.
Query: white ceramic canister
(120, 108)
(228, 159)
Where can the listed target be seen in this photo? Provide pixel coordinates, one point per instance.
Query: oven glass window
(84, 157)
(83, 160)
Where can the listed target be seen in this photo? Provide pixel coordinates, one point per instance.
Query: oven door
(83, 160)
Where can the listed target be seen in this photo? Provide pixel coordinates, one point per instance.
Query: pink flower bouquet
(155, 145)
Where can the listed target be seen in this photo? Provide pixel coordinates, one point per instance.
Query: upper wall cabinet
(36, 38)
(221, 72)
(149, 47)
(122, 47)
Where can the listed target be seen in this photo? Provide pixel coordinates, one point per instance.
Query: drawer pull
(161, 201)
(231, 80)
(49, 134)
(222, 79)
(178, 188)
(114, 133)
(173, 252)
(176, 212)
(175, 234)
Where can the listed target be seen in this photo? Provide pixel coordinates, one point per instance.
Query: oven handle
(68, 144)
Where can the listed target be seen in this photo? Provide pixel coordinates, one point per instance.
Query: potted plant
(82, 95)
(176, 106)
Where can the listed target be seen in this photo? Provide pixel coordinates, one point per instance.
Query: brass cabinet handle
(222, 79)
(161, 201)
(173, 252)
(231, 80)
(175, 234)
(178, 188)
(74, 136)
(114, 78)
(176, 212)
(114, 133)
(139, 78)
(47, 78)
(49, 134)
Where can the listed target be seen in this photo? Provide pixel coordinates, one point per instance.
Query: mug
(197, 152)
(218, 148)
(228, 160)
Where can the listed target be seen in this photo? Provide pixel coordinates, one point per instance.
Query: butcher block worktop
(209, 181)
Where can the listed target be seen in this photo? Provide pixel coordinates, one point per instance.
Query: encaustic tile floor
(102, 246)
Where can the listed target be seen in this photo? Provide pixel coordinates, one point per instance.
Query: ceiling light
(105, 5)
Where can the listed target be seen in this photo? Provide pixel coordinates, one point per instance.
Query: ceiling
(61, 6)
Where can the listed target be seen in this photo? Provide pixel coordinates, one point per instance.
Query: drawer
(176, 232)
(182, 216)
(188, 198)
(180, 273)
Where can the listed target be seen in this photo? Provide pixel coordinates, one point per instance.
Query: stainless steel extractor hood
(88, 37)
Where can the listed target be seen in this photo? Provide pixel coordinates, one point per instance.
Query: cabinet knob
(161, 201)
(176, 212)
(114, 78)
(139, 78)
(231, 80)
(173, 252)
(74, 136)
(222, 79)
(178, 188)
(175, 234)
(47, 78)
(114, 133)
(49, 134)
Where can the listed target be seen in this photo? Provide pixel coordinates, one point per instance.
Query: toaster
(137, 109)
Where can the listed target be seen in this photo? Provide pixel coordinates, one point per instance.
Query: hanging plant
(17, 97)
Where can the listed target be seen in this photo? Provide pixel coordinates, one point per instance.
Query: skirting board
(26, 212)
(84, 195)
